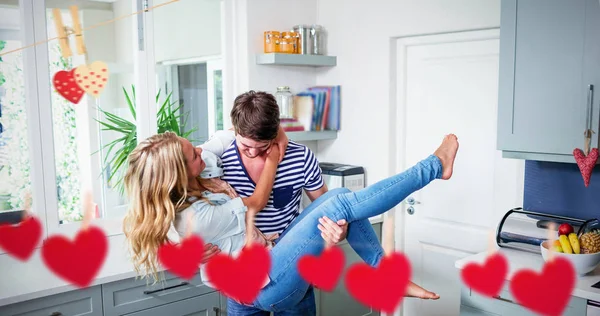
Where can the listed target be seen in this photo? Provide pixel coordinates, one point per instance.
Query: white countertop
(518, 260)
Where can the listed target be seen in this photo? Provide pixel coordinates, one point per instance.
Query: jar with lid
(289, 43)
(285, 101)
(271, 41)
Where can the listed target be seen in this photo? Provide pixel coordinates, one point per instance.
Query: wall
(360, 34)
(558, 188)
(187, 29)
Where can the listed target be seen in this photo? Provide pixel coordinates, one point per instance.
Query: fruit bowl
(582, 263)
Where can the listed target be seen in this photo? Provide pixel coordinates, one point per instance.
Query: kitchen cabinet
(549, 78)
(204, 305)
(472, 303)
(82, 302)
(339, 301)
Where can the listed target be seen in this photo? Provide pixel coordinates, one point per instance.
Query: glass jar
(271, 41)
(288, 43)
(285, 100)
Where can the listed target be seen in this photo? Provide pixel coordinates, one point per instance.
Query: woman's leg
(286, 286)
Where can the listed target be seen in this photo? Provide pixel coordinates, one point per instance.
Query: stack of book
(317, 109)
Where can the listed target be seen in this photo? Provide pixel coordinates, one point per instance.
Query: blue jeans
(287, 288)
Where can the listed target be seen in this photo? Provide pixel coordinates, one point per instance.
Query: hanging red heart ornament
(586, 164)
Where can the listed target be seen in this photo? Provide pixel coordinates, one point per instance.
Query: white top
(518, 260)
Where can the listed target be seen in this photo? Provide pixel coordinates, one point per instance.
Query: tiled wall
(558, 188)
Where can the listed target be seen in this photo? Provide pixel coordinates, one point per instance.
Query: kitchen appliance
(593, 308)
(338, 175)
(524, 230)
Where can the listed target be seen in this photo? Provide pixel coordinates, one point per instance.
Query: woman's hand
(282, 141)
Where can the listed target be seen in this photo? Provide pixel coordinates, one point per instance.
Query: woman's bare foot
(419, 292)
(446, 153)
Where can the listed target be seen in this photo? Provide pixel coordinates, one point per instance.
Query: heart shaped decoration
(539, 292)
(184, 259)
(380, 288)
(20, 240)
(93, 78)
(324, 271)
(240, 278)
(586, 164)
(486, 279)
(78, 261)
(65, 85)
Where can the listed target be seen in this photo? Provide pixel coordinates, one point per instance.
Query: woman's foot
(446, 153)
(419, 292)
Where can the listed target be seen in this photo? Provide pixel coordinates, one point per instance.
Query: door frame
(395, 219)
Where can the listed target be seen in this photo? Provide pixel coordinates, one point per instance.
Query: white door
(448, 84)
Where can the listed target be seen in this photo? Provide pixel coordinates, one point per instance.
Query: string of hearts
(381, 288)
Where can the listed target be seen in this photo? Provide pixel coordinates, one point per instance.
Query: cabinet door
(339, 301)
(80, 302)
(542, 97)
(203, 305)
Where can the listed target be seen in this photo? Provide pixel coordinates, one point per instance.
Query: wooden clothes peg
(64, 32)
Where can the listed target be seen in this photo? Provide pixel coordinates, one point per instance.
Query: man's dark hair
(255, 115)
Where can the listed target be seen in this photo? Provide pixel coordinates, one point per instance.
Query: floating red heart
(324, 271)
(381, 288)
(486, 279)
(184, 259)
(240, 278)
(20, 240)
(586, 164)
(65, 85)
(79, 261)
(546, 293)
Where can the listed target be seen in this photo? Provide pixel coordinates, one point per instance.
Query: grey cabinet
(86, 302)
(204, 305)
(549, 58)
(131, 295)
(339, 301)
(472, 303)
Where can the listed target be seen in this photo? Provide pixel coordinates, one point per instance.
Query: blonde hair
(156, 183)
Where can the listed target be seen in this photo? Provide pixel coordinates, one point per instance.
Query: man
(255, 118)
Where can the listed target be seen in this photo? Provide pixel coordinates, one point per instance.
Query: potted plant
(167, 118)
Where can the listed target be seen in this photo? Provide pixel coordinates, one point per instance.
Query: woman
(163, 184)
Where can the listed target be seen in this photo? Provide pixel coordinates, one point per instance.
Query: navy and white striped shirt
(298, 170)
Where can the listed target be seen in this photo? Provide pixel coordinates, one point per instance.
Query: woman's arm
(258, 200)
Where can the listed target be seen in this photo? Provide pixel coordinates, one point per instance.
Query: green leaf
(2, 78)
(2, 45)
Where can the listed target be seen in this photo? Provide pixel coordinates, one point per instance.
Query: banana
(566, 245)
(574, 243)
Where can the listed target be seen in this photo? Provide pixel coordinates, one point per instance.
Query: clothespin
(64, 32)
(77, 30)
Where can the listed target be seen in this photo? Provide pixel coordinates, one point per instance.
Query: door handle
(412, 201)
(410, 210)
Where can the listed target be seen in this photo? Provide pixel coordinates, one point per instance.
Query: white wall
(187, 29)
(360, 34)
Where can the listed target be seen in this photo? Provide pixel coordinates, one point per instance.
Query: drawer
(203, 305)
(507, 305)
(132, 295)
(86, 301)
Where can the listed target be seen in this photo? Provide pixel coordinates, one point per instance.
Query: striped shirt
(298, 170)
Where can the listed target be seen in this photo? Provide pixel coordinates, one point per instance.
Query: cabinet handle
(217, 311)
(56, 314)
(498, 297)
(590, 102)
(166, 288)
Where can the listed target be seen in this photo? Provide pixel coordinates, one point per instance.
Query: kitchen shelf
(311, 135)
(296, 60)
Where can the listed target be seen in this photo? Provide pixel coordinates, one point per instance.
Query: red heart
(20, 240)
(77, 262)
(380, 288)
(240, 278)
(586, 164)
(486, 279)
(64, 83)
(324, 271)
(547, 293)
(183, 259)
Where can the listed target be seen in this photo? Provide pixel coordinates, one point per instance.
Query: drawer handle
(166, 288)
(56, 314)
(498, 297)
(217, 311)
